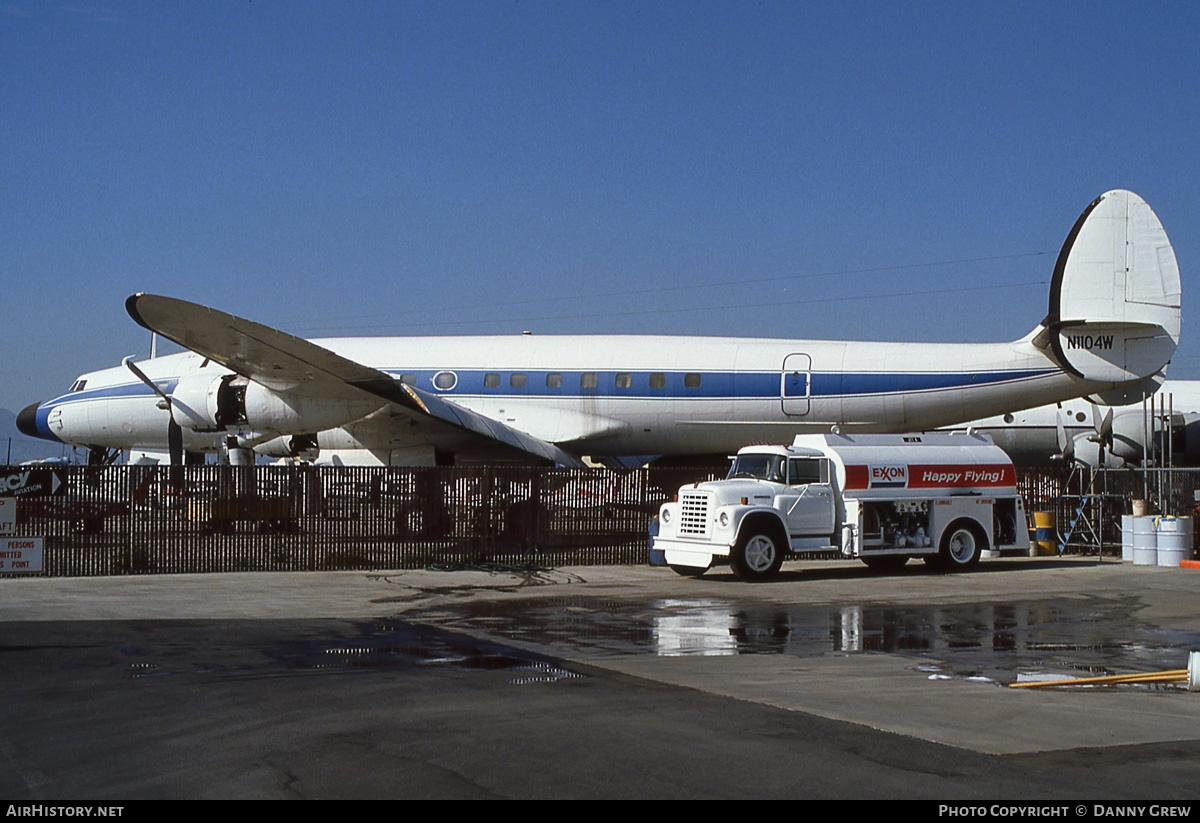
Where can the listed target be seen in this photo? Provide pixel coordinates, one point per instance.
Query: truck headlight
(723, 519)
(666, 515)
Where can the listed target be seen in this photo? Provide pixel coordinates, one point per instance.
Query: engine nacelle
(204, 401)
(1129, 436)
(303, 446)
(209, 401)
(268, 411)
(1089, 452)
(1129, 433)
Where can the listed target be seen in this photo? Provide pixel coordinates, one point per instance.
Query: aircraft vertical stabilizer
(1114, 299)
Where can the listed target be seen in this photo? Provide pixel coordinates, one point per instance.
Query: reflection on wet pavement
(993, 640)
(394, 645)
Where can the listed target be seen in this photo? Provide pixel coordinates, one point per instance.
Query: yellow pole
(1147, 677)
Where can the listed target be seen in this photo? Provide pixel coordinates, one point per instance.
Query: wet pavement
(598, 681)
(994, 640)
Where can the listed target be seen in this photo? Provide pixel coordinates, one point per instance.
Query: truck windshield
(762, 466)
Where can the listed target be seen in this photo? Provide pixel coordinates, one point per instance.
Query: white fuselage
(623, 395)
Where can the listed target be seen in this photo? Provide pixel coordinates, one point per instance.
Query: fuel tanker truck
(883, 498)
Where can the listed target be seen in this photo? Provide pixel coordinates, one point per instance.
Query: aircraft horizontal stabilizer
(1115, 295)
(290, 365)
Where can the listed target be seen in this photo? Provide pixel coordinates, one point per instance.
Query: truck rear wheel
(961, 545)
(756, 556)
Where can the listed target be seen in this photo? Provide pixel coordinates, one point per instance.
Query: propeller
(174, 432)
(1095, 449)
(1066, 443)
(1104, 428)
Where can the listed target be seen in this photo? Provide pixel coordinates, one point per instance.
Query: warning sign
(20, 554)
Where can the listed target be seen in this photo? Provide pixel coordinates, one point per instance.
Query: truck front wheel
(961, 545)
(756, 556)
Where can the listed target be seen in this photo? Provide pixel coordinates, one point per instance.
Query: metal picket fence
(157, 519)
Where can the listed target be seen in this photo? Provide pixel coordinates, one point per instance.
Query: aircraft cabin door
(795, 384)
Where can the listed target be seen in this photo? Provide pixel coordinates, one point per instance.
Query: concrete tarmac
(600, 682)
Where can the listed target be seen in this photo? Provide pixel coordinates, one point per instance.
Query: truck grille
(693, 514)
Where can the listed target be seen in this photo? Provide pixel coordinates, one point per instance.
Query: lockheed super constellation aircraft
(1112, 326)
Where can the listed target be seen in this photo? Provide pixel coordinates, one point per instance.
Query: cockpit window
(78, 385)
(763, 466)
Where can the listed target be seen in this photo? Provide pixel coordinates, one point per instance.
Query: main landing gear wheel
(756, 557)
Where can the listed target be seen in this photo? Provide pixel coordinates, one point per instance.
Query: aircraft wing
(284, 364)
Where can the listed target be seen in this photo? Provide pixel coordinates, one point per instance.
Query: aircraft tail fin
(1114, 298)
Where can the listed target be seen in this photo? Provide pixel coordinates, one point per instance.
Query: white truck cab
(883, 498)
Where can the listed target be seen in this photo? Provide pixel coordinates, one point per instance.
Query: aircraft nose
(27, 420)
(27, 423)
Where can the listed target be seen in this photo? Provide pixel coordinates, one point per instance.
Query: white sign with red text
(20, 554)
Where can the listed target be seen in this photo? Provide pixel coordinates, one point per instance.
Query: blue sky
(865, 171)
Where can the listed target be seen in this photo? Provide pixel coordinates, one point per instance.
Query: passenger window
(517, 380)
(445, 380)
(587, 380)
(691, 380)
(658, 380)
(491, 380)
(554, 380)
(624, 380)
(409, 378)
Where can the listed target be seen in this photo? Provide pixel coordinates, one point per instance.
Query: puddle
(990, 641)
(395, 646)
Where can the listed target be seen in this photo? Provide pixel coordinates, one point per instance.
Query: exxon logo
(889, 477)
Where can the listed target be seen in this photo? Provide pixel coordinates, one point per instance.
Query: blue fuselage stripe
(713, 385)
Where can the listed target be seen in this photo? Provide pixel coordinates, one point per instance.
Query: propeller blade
(1102, 427)
(1066, 444)
(141, 375)
(1106, 429)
